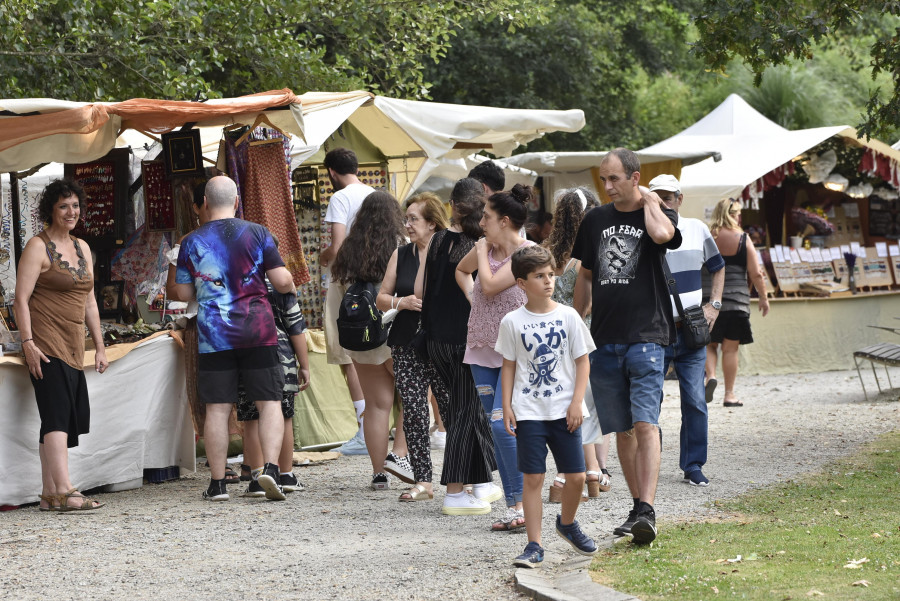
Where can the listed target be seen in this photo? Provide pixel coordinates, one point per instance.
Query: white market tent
(570, 169)
(417, 136)
(449, 171)
(750, 146)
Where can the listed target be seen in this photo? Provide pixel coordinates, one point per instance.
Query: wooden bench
(886, 354)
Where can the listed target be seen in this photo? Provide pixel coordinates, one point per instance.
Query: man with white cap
(697, 250)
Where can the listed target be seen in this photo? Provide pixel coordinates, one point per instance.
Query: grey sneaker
(400, 467)
(354, 446)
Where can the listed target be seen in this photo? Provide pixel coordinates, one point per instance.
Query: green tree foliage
(598, 56)
(773, 32)
(117, 49)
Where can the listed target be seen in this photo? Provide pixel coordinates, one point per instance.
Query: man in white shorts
(342, 167)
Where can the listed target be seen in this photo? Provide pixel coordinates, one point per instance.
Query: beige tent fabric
(143, 114)
(159, 116)
(81, 120)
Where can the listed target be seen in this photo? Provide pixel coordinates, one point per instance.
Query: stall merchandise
(140, 420)
(312, 191)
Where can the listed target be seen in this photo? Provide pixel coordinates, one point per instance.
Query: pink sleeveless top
(486, 315)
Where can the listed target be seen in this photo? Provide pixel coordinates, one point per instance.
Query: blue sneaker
(696, 478)
(531, 557)
(354, 446)
(581, 542)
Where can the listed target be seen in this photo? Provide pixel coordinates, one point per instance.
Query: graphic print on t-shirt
(545, 342)
(620, 251)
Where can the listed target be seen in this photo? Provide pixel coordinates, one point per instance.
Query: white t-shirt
(345, 203)
(544, 347)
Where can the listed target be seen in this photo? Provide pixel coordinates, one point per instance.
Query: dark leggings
(411, 376)
(469, 454)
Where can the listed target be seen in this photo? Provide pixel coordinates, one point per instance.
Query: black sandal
(231, 476)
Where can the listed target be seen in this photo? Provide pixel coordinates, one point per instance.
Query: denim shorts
(534, 437)
(627, 381)
(259, 369)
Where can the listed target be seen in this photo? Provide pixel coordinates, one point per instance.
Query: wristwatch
(717, 305)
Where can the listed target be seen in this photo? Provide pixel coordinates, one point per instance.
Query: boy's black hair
(529, 259)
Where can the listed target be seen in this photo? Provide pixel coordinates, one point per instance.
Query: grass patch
(834, 535)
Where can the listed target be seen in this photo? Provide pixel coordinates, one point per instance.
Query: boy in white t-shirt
(545, 348)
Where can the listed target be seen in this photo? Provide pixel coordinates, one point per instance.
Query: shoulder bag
(694, 327)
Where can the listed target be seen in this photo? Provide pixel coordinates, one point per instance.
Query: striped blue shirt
(697, 249)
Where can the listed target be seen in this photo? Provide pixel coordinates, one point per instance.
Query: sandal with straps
(51, 499)
(556, 491)
(87, 503)
(601, 484)
(605, 480)
(416, 493)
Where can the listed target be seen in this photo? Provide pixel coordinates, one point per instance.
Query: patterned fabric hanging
(260, 165)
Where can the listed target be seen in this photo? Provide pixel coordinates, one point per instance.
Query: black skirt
(733, 325)
(62, 400)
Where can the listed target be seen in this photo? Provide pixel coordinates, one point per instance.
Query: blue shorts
(534, 436)
(627, 382)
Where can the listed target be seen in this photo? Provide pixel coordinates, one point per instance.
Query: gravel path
(339, 540)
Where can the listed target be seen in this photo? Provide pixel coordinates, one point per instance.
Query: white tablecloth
(139, 419)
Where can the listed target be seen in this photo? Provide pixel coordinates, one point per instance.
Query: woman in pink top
(493, 294)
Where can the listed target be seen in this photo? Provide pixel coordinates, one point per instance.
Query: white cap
(666, 182)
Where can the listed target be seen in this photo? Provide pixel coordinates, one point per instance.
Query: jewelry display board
(105, 183)
(158, 197)
(312, 190)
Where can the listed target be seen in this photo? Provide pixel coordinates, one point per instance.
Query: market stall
(142, 170)
(823, 206)
(148, 429)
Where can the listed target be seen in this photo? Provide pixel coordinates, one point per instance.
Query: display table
(139, 420)
(802, 335)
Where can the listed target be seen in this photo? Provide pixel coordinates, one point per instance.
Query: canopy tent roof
(449, 171)
(44, 130)
(750, 146)
(411, 136)
(574, 162)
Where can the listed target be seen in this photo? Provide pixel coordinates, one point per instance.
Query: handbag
(694, 326)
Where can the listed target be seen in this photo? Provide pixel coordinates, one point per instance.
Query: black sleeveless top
(445, 308)
(406, 323)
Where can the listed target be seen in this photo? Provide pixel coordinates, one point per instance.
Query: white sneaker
(464, 504)
(438, 440)
(487, 492)
(354, 446)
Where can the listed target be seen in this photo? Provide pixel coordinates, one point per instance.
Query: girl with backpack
(360, 266)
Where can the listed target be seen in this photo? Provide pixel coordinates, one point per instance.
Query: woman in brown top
(54, 299)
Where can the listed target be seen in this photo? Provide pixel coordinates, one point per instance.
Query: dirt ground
(340, 540)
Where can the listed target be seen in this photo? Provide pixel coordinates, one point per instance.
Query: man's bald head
(221, 192)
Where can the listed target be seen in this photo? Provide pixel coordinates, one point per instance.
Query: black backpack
(359, 323)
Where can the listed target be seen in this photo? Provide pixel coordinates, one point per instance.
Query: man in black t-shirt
(621, 281)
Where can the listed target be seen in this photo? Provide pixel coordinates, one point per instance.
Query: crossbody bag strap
(673, 287)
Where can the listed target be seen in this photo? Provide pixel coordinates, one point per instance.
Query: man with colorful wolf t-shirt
(224, 263)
